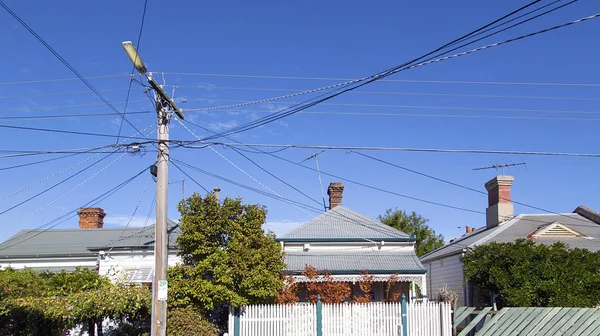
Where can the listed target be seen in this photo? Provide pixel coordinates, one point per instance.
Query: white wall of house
(446, 272)
(118, 264)
(46, 263)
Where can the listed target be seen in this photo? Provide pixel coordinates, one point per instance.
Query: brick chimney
(500, 208)
(335, 191)
(91, 218)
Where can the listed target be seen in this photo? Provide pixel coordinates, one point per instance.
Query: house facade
(580, 229)
(345, 244)
(122, 253)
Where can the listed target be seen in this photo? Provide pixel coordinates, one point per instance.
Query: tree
(227, 257)
(45, 303)
(526, 274)
(416, 226)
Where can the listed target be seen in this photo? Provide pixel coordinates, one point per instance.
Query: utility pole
(164, 109)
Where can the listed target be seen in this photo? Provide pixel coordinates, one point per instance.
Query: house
(346, 243)
(579, 229)
(127, 252)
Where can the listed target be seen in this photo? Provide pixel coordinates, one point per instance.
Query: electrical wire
(301, 205)
(63, 61)
(238, 167)
(287, 112)
(355, 182)
(137, 206)
(61, 172)
(67, 116)
(67, 132)
(434, 94)
(433, 107)
(453, 183)
(133, 69)
(68, 192)
(61, 219)
(402, 149)
(61, 79)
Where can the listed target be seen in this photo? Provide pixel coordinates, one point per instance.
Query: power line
(67, 132)
(308, 207)
(346, 86)
(133, 69)
(275, 176)
(65, 106)
(452, 183)
(61, 172)
(61, 79)
(57, 93)
(388, 80)
(355, 182)
(404, 149)
(435, 94)
(67, 116)
(63, 61)
(70, 191)
(238, 167)
(290, 111)
(39, 162)
(459, 108)
(34, 233)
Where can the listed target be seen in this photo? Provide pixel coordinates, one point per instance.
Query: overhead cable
(61, 219)
(63, 61)
(287, 112)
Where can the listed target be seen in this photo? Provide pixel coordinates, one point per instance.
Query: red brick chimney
(91, 218)
(468, 229)
(500, 208)
(335, 191)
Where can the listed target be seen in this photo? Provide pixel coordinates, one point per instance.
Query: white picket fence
(429, 319)
(370, 319)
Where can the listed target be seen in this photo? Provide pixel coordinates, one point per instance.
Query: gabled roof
(81, 242)
(343, 224)
(523, 226)
(375, 262)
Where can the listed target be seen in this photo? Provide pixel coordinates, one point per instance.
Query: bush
(185, 321)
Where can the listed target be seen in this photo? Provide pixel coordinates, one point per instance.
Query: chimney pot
(91, 218)
(468, 229)
(335, 191)
(217, 190)
(500, 208)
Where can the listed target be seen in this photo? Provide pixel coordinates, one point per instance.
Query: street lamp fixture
(134, 57)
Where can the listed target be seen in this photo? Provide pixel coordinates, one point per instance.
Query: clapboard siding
(446, 272)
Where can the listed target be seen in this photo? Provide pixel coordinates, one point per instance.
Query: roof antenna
(315, 156)
(501, 166)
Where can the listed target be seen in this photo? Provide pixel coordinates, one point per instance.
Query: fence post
(236, 322)
(404, 316)
(319, 316)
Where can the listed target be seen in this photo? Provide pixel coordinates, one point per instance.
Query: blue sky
(334, 39)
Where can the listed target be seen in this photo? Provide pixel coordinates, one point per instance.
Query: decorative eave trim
(337, 240)
(417, 279)
(359, 272)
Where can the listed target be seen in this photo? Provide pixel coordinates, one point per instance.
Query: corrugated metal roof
(355, 262)
(341, 223)
(543, 321)
(70, 242)
(522, 226)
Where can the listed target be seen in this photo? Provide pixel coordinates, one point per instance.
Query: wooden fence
(370, 319)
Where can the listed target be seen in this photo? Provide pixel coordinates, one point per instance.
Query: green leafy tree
(416, 226)
(45, 303)
(526, 274)
(227, 257)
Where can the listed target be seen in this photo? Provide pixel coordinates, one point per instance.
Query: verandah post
(404, 316)
(319, 316)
